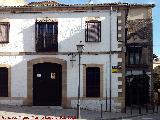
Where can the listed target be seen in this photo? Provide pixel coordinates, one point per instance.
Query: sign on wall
(115, 69)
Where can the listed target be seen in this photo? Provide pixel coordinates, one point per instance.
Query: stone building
(139, 55)
(39, 59)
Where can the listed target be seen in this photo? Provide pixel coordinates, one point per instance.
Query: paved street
(51, 113)
(57, 113)
(155, 116)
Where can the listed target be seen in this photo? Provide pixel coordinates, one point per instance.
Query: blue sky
(156, 16)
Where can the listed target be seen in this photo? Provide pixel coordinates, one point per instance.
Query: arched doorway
(47, 84)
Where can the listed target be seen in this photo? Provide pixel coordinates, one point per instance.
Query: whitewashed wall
(70, 32)
(19, 72)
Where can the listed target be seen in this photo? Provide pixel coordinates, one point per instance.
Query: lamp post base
(78, 112)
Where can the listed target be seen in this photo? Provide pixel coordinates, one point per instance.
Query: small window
(3, 82)
(93, 31)
(134, 56)
(93, 82)
(4, 32)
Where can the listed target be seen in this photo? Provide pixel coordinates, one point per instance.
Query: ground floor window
(92, 82)
(3, 82)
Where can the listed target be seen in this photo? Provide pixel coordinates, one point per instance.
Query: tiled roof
(44, 3)
(56, 4)
(53, 3)
(114, 4)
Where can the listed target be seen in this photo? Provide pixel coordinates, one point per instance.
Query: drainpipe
(110, 64)
(124, 50)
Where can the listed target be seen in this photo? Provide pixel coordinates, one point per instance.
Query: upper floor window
(4, 32)
(93, 31)
(134, 56)
(46, 36)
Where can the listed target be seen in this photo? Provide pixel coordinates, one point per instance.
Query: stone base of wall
(95, 104)
(12, 101)
(85, 103)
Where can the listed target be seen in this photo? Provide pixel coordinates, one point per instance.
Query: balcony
(46, 36)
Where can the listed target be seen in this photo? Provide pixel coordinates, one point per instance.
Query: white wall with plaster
(71, 30)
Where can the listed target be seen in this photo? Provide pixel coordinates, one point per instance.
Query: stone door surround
(29, 100)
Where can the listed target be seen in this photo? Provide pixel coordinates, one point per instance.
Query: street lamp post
(80, 50)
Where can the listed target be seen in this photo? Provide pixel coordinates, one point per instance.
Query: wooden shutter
(3, 82)
(92, 82)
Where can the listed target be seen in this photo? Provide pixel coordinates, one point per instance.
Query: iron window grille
(46, 36)
(4, 32)
(93, 31)
(93, 82)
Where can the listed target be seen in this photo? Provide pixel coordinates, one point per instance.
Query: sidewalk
(51, 113)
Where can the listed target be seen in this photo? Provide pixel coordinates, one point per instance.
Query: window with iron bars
(4, 32)
(46, 36)
(93, 31)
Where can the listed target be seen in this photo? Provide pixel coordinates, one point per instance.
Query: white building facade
(40, 74)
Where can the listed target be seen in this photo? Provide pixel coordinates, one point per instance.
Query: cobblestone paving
(54, 113)
(155, 116)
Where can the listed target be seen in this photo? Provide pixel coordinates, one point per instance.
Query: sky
(156, 16)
